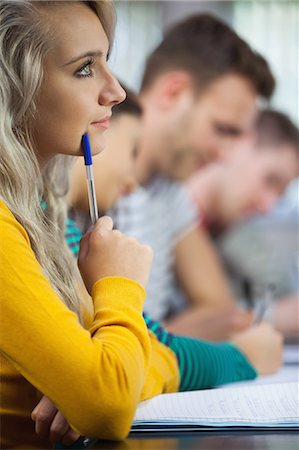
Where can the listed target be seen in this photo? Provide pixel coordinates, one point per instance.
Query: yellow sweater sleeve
(94, 377)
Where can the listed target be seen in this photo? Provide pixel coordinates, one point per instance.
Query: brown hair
(207, 48)
(274, 129)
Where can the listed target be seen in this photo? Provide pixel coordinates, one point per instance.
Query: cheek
(59, 127)
(242, 191)
(65, 110)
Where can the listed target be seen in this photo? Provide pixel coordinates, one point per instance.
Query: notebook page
(249, 405)
(291, 354)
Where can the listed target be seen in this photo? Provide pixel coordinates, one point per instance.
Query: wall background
(270, 26)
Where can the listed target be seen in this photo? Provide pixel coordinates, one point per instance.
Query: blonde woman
(48, 100)
(66, 361)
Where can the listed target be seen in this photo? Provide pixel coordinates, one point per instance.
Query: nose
(216, 149)
(267, 202)
(112, 93)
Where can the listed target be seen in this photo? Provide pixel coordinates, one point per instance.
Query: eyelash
(88, 64)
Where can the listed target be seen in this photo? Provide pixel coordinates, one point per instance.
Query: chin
(97, 149)
(97, 144)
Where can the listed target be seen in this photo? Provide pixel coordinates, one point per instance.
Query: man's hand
(51, 424)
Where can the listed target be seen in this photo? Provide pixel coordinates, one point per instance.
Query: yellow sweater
(94, 376)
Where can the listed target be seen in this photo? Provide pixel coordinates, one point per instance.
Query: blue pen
(93, 206)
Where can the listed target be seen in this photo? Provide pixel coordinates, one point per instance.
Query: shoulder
(169, 190)
(9, 224)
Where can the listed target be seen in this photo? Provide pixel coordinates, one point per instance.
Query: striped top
(158, 215)
(73, 236)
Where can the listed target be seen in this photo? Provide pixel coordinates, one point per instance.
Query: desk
(222, 440)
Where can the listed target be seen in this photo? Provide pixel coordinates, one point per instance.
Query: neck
(144, 165)
(205, 189)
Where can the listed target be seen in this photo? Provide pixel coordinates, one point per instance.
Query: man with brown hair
(252, 177)
(199, 93)
(257, 254)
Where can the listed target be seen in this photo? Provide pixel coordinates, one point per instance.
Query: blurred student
(199, 94)
(114, 168)
(252, 177)
(249, 181)
(87, 372)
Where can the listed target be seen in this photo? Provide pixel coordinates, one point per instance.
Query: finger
(84, 244)
(41, 404)
(70, 437)
(105, 223)
(58, 427)
(44, 417)
(44, 403)
(34, 412)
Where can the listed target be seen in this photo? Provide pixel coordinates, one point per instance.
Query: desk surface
(218, 440)
(245, 440)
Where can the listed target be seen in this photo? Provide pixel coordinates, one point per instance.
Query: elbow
(107, 420)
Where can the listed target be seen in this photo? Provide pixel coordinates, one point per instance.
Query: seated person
(92, 369)
(250, 181)
(199, 93)
(115, 175)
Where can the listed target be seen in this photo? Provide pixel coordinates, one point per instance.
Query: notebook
(250, 406)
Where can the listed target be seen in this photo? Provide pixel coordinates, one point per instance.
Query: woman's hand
(262, 345)
(51, 424)
(106, 252)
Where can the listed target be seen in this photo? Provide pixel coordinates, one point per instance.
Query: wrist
(118, 292)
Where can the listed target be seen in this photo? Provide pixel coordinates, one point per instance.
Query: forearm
(203, 322)
(200, 273)
(203, 364)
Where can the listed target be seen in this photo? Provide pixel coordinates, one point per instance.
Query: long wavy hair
(25, 38)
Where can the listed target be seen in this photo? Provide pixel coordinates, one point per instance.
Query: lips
(103, 123)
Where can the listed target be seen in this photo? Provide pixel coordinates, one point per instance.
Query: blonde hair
(25, 38)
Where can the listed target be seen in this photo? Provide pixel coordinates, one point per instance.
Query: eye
(85, 70)
(135, 152)
(227, 130)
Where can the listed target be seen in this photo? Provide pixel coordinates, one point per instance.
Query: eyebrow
(85, 55)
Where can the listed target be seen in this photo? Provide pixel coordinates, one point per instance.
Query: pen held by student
(93, 207)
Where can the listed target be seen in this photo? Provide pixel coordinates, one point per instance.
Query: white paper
(250, 405)
(291, 354)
